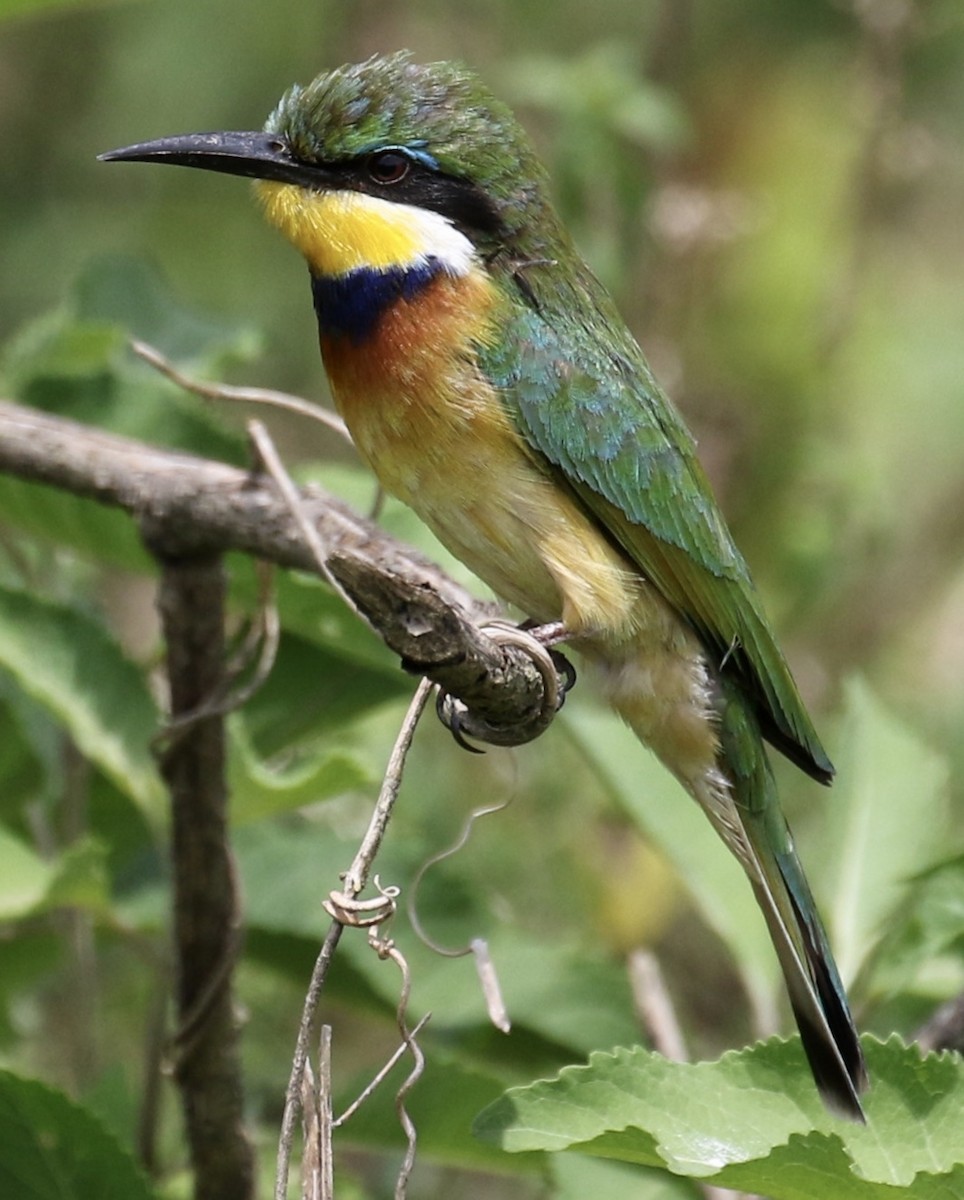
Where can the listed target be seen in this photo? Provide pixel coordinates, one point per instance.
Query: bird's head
(380, 162)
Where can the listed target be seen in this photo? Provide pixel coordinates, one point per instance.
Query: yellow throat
(343, 231)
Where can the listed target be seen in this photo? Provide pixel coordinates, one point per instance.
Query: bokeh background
(774, 191)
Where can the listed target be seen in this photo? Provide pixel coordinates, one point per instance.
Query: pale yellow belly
(531, 543)
(437, 437)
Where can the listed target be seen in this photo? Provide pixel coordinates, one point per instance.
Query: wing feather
(585, 400)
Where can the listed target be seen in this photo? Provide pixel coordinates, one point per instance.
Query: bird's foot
(549, 635)
(558, 676)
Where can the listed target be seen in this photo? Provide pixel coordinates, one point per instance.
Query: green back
(585, 400)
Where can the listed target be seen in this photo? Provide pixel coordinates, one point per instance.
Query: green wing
(585, 400)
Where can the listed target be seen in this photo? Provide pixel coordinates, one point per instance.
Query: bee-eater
(488, 380)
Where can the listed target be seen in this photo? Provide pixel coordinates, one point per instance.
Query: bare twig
(384, 947)
(945, 1029)
(326, 1190)
(489, 983)
(379, 1077)
(271, 461)
(356, 877)
(292, 1099)
(244, 395)
(317, 1165)
(654, 1007)
(477, 947)
(418, 1066)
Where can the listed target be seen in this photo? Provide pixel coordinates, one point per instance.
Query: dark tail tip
(828, 1032)
(839, 1070)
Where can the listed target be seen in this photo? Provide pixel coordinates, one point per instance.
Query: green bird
(490, 383)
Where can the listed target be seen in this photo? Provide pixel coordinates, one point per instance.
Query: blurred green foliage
(775, 193)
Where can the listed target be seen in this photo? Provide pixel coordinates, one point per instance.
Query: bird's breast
(438, 435)
(404, 308)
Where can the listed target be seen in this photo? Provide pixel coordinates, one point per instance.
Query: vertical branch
(327, 1182)
(191, 603)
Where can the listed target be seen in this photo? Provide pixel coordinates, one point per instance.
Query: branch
(206, 918)
(194, 506)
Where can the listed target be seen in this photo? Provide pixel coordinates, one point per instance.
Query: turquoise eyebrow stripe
(413, 150)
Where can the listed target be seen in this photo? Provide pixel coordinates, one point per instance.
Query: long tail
(816, 993)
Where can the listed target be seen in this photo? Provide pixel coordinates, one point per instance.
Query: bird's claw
(558, 675)
(567, 675)
(451, 712)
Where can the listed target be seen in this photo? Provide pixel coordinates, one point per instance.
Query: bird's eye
(388, 166)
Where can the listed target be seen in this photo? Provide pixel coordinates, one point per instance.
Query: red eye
(388, 166)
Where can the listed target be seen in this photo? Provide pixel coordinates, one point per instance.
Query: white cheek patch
(435, 236)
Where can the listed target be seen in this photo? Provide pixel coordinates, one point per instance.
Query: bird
(490, 383)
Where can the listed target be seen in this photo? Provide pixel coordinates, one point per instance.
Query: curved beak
(255, 155)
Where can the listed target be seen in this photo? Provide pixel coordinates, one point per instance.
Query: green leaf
(95, 531)
(817, 1166)
(310, 609)
(25, 765)
(30, 884)
(52, 1149)
(752, 1121)
(259, 789)
(287, 870)
(81, 879)
(24, 878)
(76, 361)
(67, 662)
(887, 822)
(930, 924)
(577, 1176)
(332, 692)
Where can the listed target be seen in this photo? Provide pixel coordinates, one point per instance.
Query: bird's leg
(550, 634)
